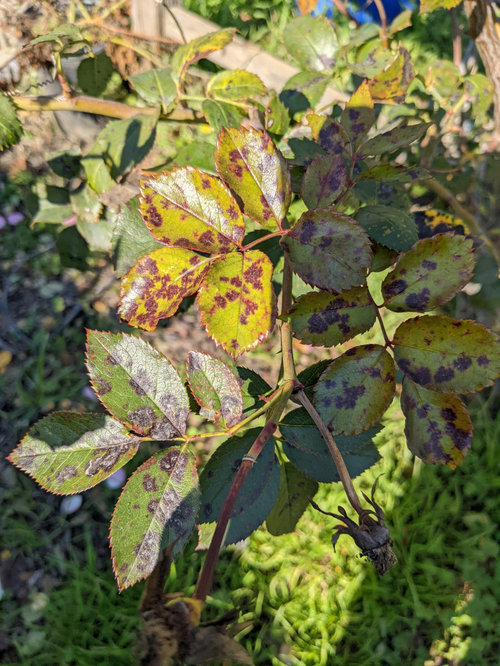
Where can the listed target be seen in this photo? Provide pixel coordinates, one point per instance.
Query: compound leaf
(438, 428)
(324, 319)
(237, 299)
(154, 288)
(235, 85)
(215, 388)
(445, 354)
(137, 384)
(199, 48)
(390, 227)
(293, 499)
(328, 250)
(67, 453)
(258, 492)
(356, 389)
(324, 180)
(188, 208)
(157, 507)
(429, 274)
(256, 171)
(399, 137)
(311, 41)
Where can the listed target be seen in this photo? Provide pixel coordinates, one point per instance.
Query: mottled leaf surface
(131, 238)
(258, 492)
(188, 208)
(394, 172)
(356, 389)
(237, 301)
(427, 6)
(221, 114)
(277, 119)
(388, 226)
(293, 499)
(359, 114)
(328, 250)
(199, 48)
(215, 389)
(157, 507)
(438, 428)
(397, 138)
(446, 354)
(257, 172)
(429, 274)
(137, 384)
(324, 180)
(311, 41)
(307, 450)
(432, 222)
(155, 86)
(391, 84)
(324, 319)
(236, 85)
(67, 452)
(333, 138)
(154, 288)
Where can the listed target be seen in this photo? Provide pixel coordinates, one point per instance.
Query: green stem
(289, 372)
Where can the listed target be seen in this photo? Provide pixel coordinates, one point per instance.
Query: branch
(289, 372)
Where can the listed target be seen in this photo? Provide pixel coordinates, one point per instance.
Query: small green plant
(293, 200)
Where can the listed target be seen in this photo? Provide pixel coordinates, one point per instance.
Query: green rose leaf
(324, 319)
(429, 274)
(309, 377)
(307, 450)
(235, 85)
(188, 208)
(356, 389)
(154, 288)
(324, 180)
(222, 114)
(86, 205)
(137, 384)
(393, 172)
(399, 137)
(304, 90)
(97, 76)
(215, 388)
(312, 42)
(328, 250)
(438, 428)
(67, 453)
(10, 127)
(157, 507)
(252, 387)
(237, 302)
(293, 499)
(155, 86)
(131, 238)
(444, 354)
(199, 48)
(359, 115)
(277, 118)
(257, 172)
(390, 227)
(258, 492)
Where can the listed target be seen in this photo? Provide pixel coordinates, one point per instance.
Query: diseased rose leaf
(391, 84)
(324, 180)
(258, 492)
(326, 319)
(215, 388)
(221, 114)
(393, 172)
(157, 508)
(277, 119)
(137, 384)
(154, 288)
(312, 42)
(67, 452)
(199, 48)
(333, 138)
(359, 115)
(445, 354)
(237, 302)
(388, 226)
(438, 428)
(356, 389)
(432, 222)
(429, 274)
(309, 377)
(188, 208)
(294, 494)
(328, 250)
(394, 139)
(257, 172)
(427, 6)
(304, 90)
(131, 238)
(307, 451)
(235, 85)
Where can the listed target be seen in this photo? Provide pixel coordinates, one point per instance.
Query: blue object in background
(366, 12)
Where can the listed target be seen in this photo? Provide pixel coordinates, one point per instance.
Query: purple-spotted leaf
(237, 302)
(392, 140)
(445, 354)
(328, 250)
(356, 389)
(157, 507)
(333, 138)
(199, 48)
(258, 492)
(235, 85)
(215, 388)
(429, 274)
(438, 428)
(391, 227)
(312, 42)
(67, 453)
(394, 172)
(137, 384)
(391, 84)
(359, 114)
(256, 171)
(154, 288)
(324, 180)
(189, 208)
(432, 222)
(296, 489)
(324, 319)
